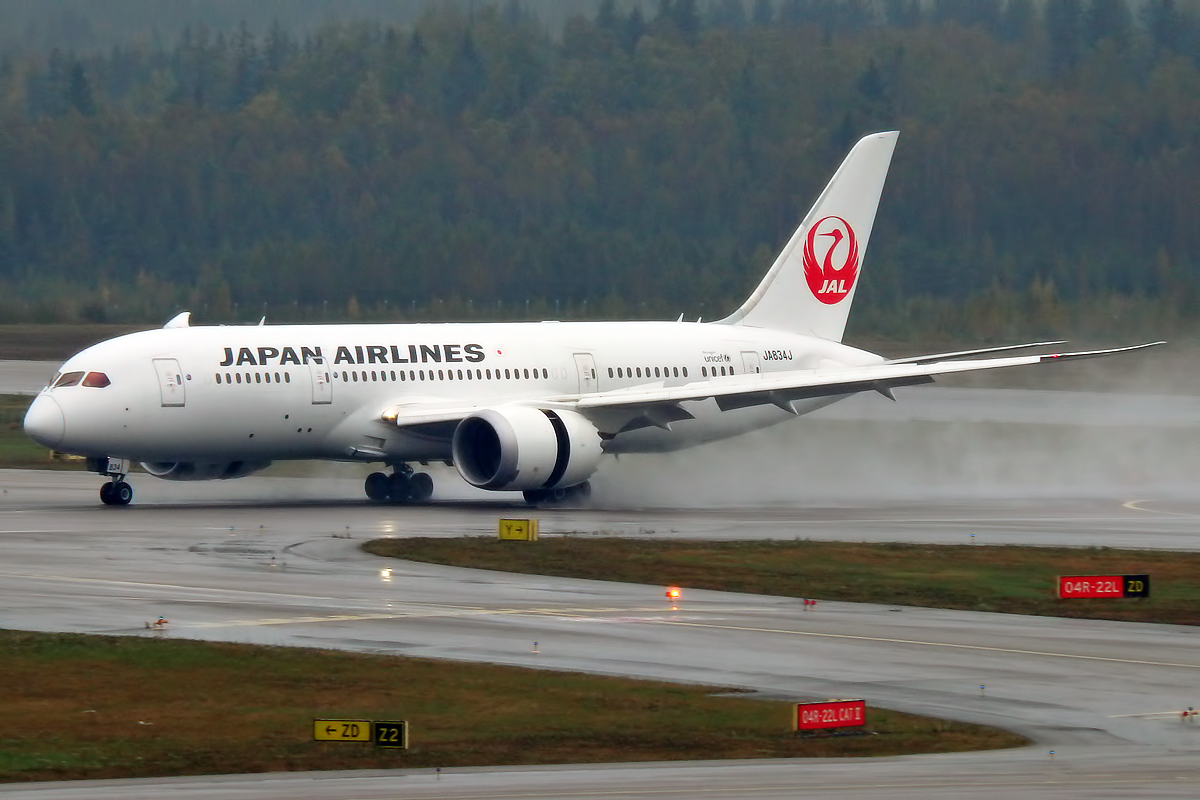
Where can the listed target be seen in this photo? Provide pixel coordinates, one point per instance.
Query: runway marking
(557, 613)
(948, 645)
(1135, 505)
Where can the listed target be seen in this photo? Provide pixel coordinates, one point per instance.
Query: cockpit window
(68, 379)
(96, 380)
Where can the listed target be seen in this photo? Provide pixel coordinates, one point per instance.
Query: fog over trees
(602, 159)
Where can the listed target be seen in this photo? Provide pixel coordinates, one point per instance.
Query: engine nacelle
(203, 470)
(519, 448)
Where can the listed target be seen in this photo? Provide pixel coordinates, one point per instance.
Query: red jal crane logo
(831, 277)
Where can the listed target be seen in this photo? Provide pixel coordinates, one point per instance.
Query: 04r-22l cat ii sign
(529, 407)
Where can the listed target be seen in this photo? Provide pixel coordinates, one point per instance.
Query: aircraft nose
(44, 422)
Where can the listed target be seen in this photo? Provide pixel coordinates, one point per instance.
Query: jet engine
(203, 470)
(520, 448)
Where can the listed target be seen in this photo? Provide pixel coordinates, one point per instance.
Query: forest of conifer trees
(638, 160)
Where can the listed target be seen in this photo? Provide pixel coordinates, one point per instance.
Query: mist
(932, 444)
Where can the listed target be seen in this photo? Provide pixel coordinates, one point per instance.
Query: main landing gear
(116, 492)
(576, 495)
(402, 486)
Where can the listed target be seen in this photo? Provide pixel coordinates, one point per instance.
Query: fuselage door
(587, 372)
(322, 386)
(170, 382)
(750, 362)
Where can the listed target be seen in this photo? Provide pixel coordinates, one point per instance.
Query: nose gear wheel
(116, 493)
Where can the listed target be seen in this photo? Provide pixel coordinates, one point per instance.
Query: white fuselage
(267, 393)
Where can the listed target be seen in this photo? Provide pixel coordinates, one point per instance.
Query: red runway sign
(830, 714)
(1100, 586)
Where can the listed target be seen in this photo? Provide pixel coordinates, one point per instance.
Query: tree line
(644, 160)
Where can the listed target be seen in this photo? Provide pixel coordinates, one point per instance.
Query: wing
(659, 404)
(783, 388)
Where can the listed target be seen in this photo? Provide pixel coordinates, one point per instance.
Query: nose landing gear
(116, 492)
(402, 486)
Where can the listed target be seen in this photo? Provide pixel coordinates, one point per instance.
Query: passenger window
(685, 372)
(227, 378)
(218, 379)
(676, 372)
(258, 377)
(277, 378)
(239, 377)
(68, 379)
(656, 373)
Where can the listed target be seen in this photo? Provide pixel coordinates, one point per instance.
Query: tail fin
(811, 285)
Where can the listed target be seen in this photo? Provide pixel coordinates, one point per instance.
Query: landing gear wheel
(377, 487)
(116, 493)
(421, 486)
(579, 494)
(536, 496)
(399, 488)
(576, 495)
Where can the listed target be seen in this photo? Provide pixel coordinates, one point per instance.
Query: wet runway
(276, 560)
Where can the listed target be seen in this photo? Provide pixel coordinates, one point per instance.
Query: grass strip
(79, 706)
(1009, 579)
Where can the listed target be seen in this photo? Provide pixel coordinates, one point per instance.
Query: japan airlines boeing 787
(531, 407)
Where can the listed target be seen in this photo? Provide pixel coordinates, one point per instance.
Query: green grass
(1010, 579)
(94, 707)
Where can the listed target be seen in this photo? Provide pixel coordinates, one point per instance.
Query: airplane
(531, 407)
